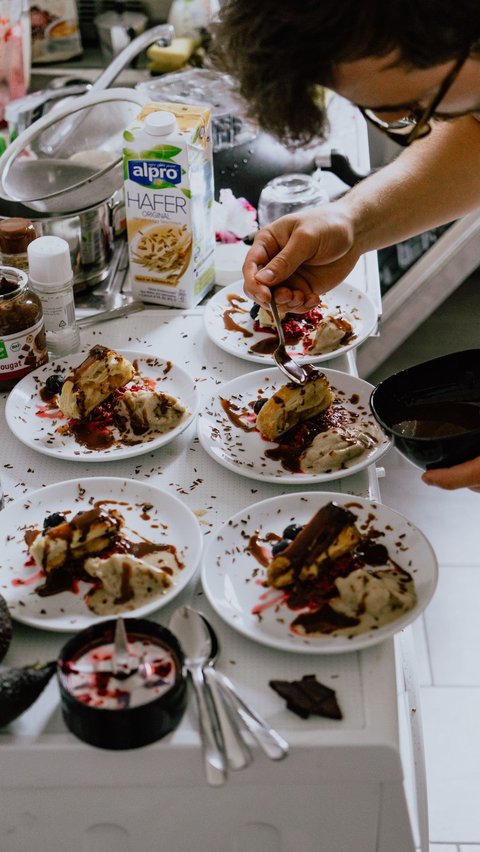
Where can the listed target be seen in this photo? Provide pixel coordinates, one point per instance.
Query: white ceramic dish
(244, 452)
(343, 300)
(232, 577)
(168, 521)
(24, 407)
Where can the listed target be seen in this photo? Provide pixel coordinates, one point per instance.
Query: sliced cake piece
(102, 371)
(293, 403)
(89, 532)
(331, 533)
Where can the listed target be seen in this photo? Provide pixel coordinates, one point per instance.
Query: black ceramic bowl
(122, 713)
(431, 411)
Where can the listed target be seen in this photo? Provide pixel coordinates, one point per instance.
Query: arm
(433, 182)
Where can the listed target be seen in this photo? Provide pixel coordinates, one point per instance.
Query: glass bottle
(15, 235)
(51, 277)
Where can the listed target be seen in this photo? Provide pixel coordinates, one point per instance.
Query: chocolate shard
(308, 697)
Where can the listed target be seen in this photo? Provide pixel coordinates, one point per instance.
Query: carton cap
(160, 123)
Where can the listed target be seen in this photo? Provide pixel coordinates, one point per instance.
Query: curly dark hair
(281, 53)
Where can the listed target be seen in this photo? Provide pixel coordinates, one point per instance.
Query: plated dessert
(319, 572)
(343, 320)
(338, 580)
(323, 429)
(82, 550)
(94, 547)
(107, 403)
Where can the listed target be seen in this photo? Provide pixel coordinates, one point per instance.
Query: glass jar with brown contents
(15, 235)
(22, 328)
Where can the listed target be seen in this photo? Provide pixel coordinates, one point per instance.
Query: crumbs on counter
(308, 697)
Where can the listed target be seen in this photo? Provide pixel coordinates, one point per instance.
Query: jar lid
(15, 235)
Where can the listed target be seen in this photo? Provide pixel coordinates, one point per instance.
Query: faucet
(22, 112)
(162, 35)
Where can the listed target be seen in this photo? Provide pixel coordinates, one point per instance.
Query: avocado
(20, 687)
(5, 628)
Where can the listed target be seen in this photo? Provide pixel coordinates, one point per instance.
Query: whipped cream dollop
(339, 445)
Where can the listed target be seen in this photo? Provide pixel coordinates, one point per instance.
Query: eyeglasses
(417, 124)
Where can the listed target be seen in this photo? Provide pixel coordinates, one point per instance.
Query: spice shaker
(15, 235)
(51, 277)
(22, 330)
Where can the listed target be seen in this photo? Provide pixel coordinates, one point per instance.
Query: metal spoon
(185, 625)
(295, 372)
(272, 743)
(236, 750)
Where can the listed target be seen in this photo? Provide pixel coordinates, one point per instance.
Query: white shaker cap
(160, 123)
(49, 261)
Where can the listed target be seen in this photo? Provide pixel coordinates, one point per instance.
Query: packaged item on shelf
(15, 49)
(51, 277)
(169, 201)
(22, 328)
(55, 31)
(15, 235)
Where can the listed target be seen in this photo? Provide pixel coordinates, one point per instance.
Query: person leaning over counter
(413, 69)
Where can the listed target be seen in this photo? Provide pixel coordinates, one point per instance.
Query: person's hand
(307, 253)
(466, 475)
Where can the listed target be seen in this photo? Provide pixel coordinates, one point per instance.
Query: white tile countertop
(58, 793)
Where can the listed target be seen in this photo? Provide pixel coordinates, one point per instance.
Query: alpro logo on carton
(154, 173)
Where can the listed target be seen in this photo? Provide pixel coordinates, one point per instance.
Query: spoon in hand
(291, 368)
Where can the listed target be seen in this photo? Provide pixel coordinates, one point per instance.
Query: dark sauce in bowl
(437, 419)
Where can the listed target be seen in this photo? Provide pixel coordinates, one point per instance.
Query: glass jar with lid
(22, 328)
(16, 233)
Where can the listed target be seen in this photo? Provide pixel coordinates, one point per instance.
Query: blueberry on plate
(279, 546)
(54, 384)
(54, 520)
(292, 531)
(258, 405)
(254, 311)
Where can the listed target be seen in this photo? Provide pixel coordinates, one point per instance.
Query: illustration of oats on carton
(169, 204)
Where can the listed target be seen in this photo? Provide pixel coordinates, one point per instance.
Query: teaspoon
(272, 743)
(196, 645)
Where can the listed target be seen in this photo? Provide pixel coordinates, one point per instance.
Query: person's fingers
(264, 247)
(466, 475)
(285, 263)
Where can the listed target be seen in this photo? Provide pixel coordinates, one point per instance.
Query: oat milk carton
(169, 200)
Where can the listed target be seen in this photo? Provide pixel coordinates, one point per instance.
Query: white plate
(67, 611)
(244, 452)
(346, 300)
(232, 577)
(24, 403)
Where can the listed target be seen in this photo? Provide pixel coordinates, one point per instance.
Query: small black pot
(131, 727)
